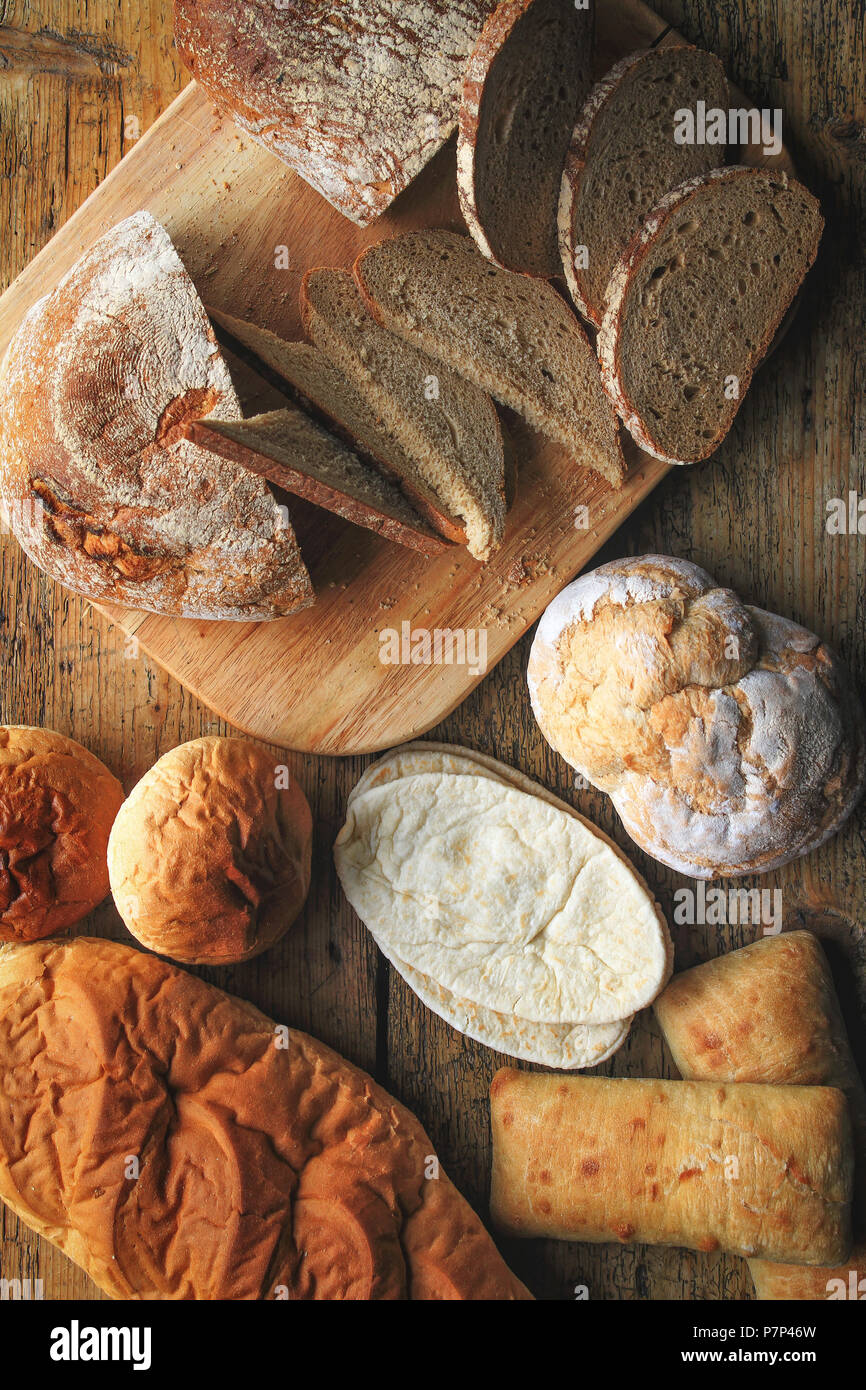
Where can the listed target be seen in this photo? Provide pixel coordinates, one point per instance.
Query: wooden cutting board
(247, 230)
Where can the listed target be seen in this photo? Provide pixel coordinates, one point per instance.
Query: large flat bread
(566, 1046)
(755, 1170)
(502, 898)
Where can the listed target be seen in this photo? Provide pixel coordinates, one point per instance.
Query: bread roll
(96, 479)
(769, 1012)
(57, 805)
(209, 858)
(755, 1170)
(177, 1144)
(729, 739)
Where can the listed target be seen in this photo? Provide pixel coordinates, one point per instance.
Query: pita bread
(419, 846)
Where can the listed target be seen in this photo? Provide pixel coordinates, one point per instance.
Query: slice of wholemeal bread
(448, 428)
(694, 303)
(624, 158)
(511, 334)
(309, 378)
(289, 449)
(522, 91)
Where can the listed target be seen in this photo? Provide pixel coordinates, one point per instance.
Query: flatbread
(559, 929)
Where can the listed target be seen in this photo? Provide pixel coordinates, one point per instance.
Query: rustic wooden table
(78, 84)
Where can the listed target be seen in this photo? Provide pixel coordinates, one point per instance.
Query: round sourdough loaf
(209, 858)
(97, 481)
(57, 805)
(730, 740)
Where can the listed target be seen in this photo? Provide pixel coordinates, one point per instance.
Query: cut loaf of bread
(309, 378)
(624, 158)
(694, 303)
(447, 426)
(356, 97)
(512, 335)
(289, 449)
(522, 91)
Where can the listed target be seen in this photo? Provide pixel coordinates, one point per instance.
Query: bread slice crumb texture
(695, 302)
(511, 335)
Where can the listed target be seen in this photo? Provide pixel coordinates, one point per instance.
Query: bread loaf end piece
(623, 158)
(754, 1170)
(523, 88)
(694, 303)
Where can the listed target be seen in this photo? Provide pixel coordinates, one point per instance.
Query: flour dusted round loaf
(57, 804)
(97, 481)
(209, 858)
(730, 740)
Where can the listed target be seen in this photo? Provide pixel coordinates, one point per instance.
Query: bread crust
(356, 101)
(101, 488)
(209, 856)
(268, 1167)
(610, 332)
(730, 740)
(755, 1170)
(57, 806)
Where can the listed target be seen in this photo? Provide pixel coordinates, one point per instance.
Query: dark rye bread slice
(447, 427)
(510, 334)
(311, 380)
(289, 449)
(694, 303)
(623, 159)
(523, 88)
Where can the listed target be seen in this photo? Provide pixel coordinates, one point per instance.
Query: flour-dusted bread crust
(754, 1170)
(769, 1013)
(57, 806)
(269, 1167)
(730, 740)
(623, 158)
(693, 305)
(523, 87)
(101, 488)
(209, 856)
(355, 97)
(505, 899)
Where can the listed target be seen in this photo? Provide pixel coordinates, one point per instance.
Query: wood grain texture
(754, 517)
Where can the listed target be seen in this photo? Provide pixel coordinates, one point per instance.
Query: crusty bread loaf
(296, 454)
(312, 380)
(96, 478)
(57, 805)
(446, 426)
(623, 158)
(177, 1144)
(693, 304)
(523, 87)
(769, 1013)
(730, 740)
(356, 98)
(755, 1170)
(511, 335)
(209, 857)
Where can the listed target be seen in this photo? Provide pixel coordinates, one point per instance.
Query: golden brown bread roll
(57, 805)
(755, 1170)
(177, 1144)
(769, 1012)
(209, 858)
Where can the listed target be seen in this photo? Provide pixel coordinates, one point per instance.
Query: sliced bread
(310, 378)
(291, 450)
(448, 427)
(510, 334)
(523, 88)
(624, 158)
(693, 305)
